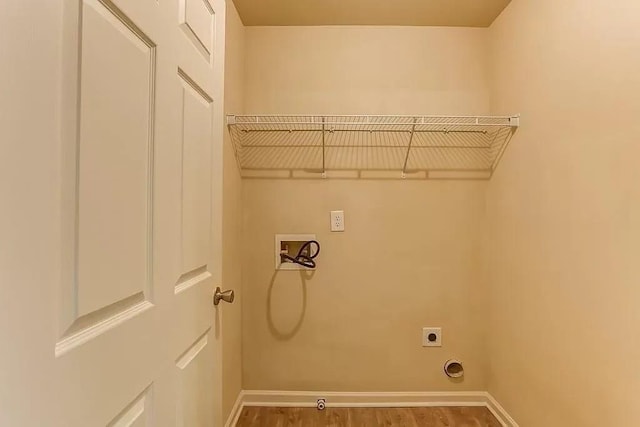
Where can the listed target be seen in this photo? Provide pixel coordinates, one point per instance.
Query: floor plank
(473, 416)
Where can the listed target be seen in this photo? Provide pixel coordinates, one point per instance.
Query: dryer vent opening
(453, 368)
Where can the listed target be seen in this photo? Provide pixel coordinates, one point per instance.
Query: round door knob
(226, 296)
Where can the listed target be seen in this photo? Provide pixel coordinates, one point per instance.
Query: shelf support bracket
(406, 157)
(324, 171)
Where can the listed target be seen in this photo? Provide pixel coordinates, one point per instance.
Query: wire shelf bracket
(370, 146)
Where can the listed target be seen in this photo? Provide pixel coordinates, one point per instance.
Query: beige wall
(564, 209)
(560, 229)
(231, 216)
(409, 256)
(366, 70)
(408, 259)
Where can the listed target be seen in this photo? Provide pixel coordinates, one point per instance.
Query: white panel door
(112, 125)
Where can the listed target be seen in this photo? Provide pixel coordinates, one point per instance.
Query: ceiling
(455, 13)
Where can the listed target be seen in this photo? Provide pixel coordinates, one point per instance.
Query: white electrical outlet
(432, 337)
(337, 220)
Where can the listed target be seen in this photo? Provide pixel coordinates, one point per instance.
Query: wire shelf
(445, 147)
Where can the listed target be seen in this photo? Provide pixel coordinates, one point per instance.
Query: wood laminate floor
(359, 417)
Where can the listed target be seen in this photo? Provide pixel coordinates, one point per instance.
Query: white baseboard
(362, 399)
(499, 412)
(232, 420)
(368, 400)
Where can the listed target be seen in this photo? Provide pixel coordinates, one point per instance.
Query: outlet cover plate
(432, 337)
(337, 220)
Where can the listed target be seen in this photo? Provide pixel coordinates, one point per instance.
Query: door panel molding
(138, 413)
(92, 325)
(192, 352)
(197, 129)
(97, 295)
(197, 21)
(194, 367)
(192, 278)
